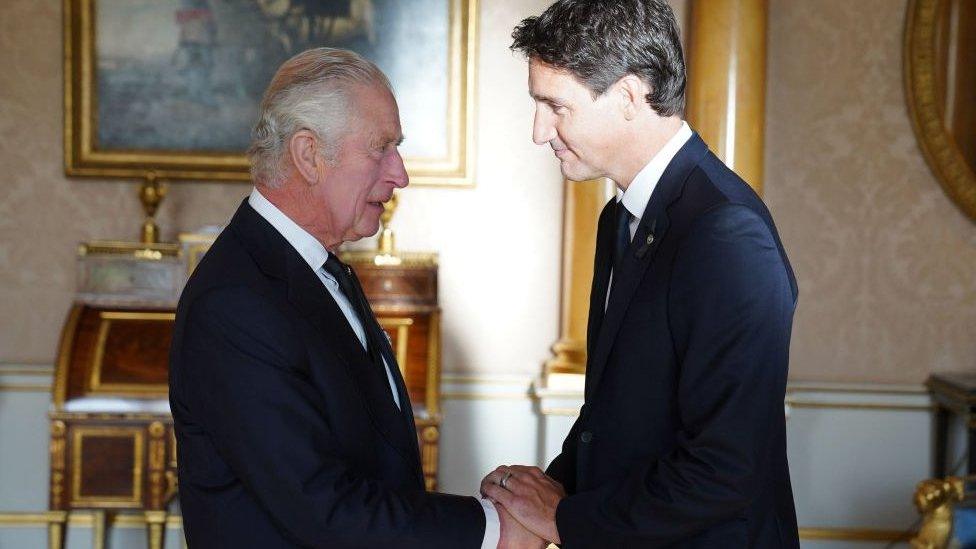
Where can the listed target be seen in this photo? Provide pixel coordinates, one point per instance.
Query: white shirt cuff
(492, 525)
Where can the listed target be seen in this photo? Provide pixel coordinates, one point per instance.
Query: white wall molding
(856, 450)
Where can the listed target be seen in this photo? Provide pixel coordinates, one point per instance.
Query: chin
(366, 230)
(576, 174)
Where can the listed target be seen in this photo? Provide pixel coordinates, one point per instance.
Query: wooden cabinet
(112, 442)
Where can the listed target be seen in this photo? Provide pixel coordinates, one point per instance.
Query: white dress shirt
(638, 193)
(315, 254)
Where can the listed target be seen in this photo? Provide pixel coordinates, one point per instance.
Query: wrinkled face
(368, 168)
(580, 129)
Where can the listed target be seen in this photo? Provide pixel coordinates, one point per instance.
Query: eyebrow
(546, 98)
(384, 141)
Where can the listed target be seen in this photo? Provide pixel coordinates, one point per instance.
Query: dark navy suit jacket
(681, 440)
(287, 434)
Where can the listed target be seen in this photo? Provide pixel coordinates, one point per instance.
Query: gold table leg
(56, 529)
(99, 522)
(155, 525)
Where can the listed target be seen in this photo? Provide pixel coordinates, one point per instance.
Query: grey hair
(310, 91)
(601, 41)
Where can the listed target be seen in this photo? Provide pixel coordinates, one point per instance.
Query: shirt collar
(307, 246)
(639, 192)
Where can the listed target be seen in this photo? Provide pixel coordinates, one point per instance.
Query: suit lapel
(276, 258)
(601, 275)
(628, 274)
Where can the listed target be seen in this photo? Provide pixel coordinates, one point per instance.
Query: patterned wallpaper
(886, 263)
(43, 215)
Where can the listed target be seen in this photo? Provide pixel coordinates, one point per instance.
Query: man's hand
(513, 534)
(529, 495)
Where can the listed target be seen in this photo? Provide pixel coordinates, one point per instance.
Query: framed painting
(170, 89)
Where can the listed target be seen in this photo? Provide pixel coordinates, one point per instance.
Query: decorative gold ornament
(151, 194)
(934, 499)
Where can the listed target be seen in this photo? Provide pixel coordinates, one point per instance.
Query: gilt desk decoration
(112, 447)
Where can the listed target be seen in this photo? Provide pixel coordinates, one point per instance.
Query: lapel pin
(646, 246)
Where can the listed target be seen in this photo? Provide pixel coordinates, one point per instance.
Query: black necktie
(344, 276)
(377, 345)
(622, 241)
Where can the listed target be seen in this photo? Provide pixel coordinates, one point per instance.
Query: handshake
(526, 499)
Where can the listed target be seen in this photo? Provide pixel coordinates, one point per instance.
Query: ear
(303, 149)
(632, 93)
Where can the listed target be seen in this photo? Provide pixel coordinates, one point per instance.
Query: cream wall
(886, 264)
(499, 242)
(885, 261)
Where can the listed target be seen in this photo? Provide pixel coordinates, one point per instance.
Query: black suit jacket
(287, 433)
(681, 440)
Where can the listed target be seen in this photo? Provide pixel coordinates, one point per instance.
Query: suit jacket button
(586, 437)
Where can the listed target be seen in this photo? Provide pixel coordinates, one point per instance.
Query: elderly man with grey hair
(293, 424)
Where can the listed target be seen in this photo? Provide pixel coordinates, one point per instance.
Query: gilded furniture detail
(106, 466)
(57, 521)
(157, 465)
(58, 461)
(430, 435)
(112, 446)
(934, 500)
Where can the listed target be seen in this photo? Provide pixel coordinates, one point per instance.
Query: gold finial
(151, 194)
(387, 244)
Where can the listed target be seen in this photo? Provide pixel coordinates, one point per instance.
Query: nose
(543, 130)
(397, 171)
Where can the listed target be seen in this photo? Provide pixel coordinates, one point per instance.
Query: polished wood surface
(726, 97)
(114, 352)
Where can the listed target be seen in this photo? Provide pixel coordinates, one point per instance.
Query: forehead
(377, 110)
(548, 83)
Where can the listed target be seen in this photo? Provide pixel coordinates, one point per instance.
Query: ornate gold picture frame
(924, 65)
(170, 88)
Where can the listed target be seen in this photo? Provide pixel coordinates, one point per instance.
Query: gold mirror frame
(83, 158)
(938, 145)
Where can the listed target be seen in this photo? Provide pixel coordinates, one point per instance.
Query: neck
(644, 143)
(294, 200)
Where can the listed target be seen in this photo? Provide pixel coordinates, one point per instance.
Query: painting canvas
(173, 87)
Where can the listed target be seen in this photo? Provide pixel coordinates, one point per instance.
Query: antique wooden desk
(112, 443)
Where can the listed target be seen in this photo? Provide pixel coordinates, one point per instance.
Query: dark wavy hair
(600, 41)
